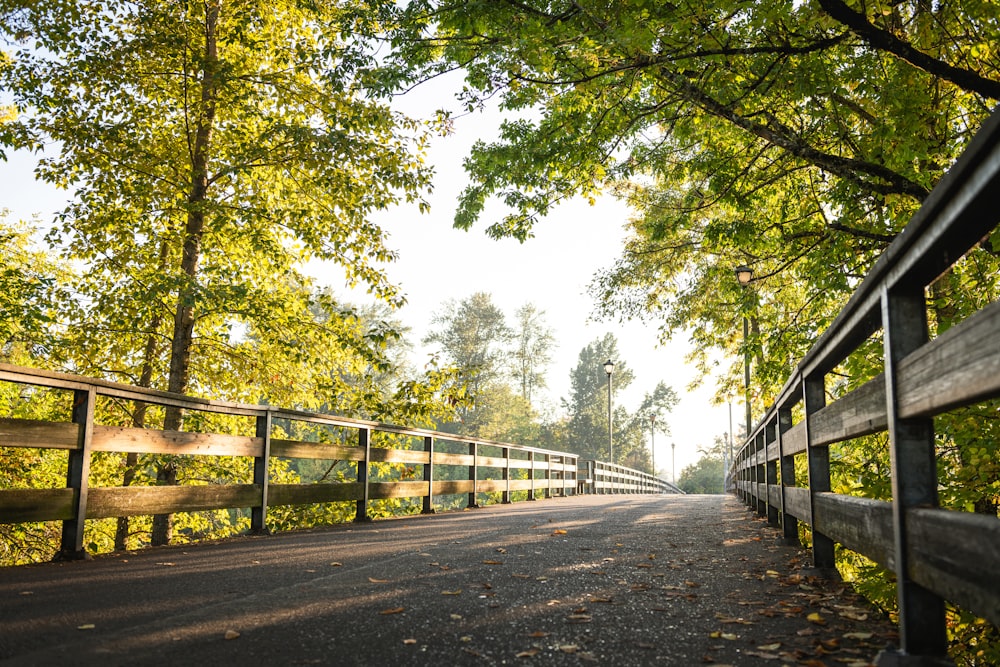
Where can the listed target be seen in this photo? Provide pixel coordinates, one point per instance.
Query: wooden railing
(937, 555)
(492, 467)
(600, 477)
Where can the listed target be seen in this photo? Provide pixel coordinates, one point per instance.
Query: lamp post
(744, 274)
(652, 441)
(609, 368)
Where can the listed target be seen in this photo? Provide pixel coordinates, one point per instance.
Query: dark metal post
(814, 398)
(746, 371)
(789, 524)
(77, 472)
(505, 498)
(914, 475)
(474, 476)
(364, 443)
(429, 475)
(531, 457)
(261, 469)
(770, 474)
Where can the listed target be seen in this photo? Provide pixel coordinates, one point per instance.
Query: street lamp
(744, 274)
(652, 441)
(609, 368)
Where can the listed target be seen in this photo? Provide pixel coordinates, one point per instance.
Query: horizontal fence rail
(486, 467)
(938, 555)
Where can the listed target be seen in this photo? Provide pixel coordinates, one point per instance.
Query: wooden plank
(797, 503)
(860, 524)
(306, 494)
(857, 413)
(444, 487)
(104, 502)
(294, 449)
(41, 434)
(774, 495)
(492, 462)
(446, 459)
(960, 367)
(520, 485)
(20, 505)
(793, 441)
(399, 456)
(772, 451)
(146, 441)
(491, 485)
(957, 555)
(381, 490)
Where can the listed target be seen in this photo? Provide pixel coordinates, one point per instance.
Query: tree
(532, 350)
(796, 137)
(473, 336)
(587, 404)
(212, 149)
(706, 474)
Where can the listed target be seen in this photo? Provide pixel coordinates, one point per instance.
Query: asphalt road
(610, 580)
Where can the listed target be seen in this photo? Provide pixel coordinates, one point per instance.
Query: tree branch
(885, 41)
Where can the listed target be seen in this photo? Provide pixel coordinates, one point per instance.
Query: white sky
(437, 263)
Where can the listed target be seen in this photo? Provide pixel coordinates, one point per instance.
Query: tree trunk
(185, 316)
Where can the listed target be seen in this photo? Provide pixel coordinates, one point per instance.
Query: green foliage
(705, 475)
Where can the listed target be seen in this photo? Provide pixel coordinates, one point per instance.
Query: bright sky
(437, 263)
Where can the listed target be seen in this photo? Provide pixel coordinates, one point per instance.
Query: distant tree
(705, 475)
(532, 349)
(587, 405)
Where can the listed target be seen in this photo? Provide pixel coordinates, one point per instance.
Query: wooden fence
(937, 555)
(600, 477)
(492, 467)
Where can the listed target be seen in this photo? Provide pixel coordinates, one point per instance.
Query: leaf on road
(769, 647)
(692, 584)
(816, 618)
(762, 655)
(858, 635)
(538, 634)
(232, 634)
(378, 581)
(492, 562)
(394, 610)
(409, 641)
(569, 648)
(86, 626)
(458, 592)
(336, 564)
(558, 531)
(530, 653)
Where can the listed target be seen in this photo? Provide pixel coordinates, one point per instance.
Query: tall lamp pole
(673, 461)
(744, 274)
(609, 368)
(652, 441)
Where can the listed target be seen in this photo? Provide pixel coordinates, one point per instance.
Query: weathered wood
(307, 494)
(797, 503)
(492, 462)
(857, 413)
(380, 455)
(772, 452)
(794, 440)
(20, 505)
(294, 449)
(115, 501)
(383, 490)
(446, 459)
(773, 496)
(860, 524)
(41, 434)
(955, 554)
(145, 441)
(960, 367)
(444, 487)
(520, 485)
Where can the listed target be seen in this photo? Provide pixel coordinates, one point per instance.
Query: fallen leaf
(530, 653)
(456, 617)
(569, 648)
(394, 610)
(458, 592)
(770, 647)
(644, 565)
(492, 562)
(232, 634)
(816, 618)
(692, 584)
(579, 618)
(465, 638)
(378, 581)
(538, 634)
(558, 531)
(27, 592)
(86, 626)
(762, 655)
(858, 635)
(522, 576)
(409, 642)
(166, 564)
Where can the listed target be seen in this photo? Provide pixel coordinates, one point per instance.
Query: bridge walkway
(613, 580)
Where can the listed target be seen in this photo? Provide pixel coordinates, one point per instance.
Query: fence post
(770, 474)
(505, 498)
(814, 398)
(364, 443)
(261, 476)
(548, 476)
(77, 472)
(429, 475)
(474, 476)
(760, 451)
(531, 494)
(789, 524)
(914, 475)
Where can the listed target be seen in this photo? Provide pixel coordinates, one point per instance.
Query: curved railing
(937, 555)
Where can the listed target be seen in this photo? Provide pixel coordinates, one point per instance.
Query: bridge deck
(622, 580)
